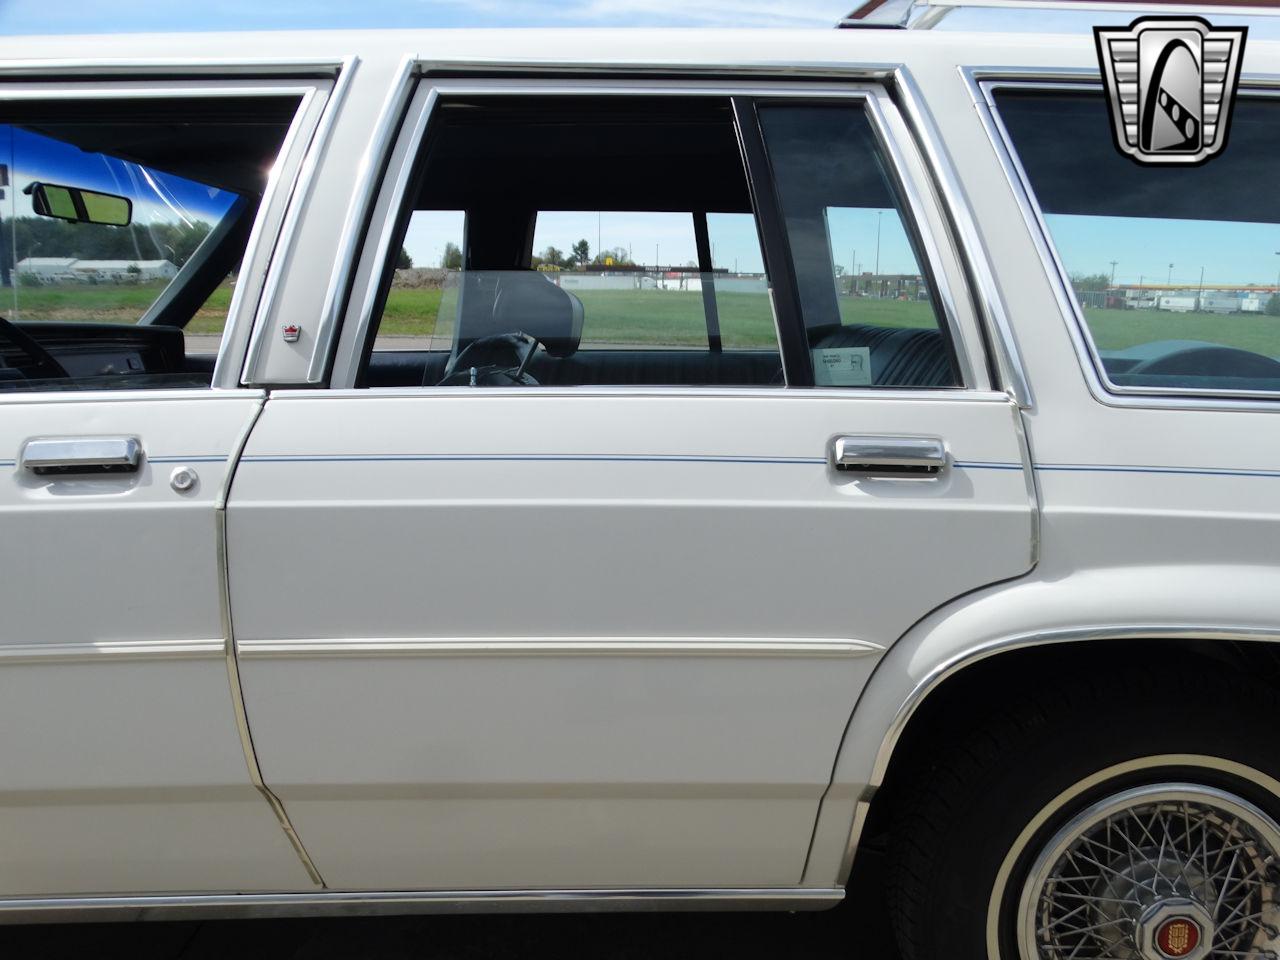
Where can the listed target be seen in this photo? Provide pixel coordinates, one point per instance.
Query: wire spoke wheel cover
(1171, 871)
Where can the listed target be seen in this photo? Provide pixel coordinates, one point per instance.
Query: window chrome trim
(890, 128)
(390, 903)
(893, 132)
(388, 202)
(258, 254)
(169, 69)
(364, 194)
(621, 391)
(299, 191)
(311, 96)
(1001, 338)
(982, 83)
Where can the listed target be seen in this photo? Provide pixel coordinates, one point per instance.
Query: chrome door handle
(54, 455)
(892, 456)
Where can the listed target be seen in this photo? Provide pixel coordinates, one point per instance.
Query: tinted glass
(1176, 269)
(865, 300)
(593, 241)
(181, 180)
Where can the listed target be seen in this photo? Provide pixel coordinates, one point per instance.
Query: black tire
(965, 809)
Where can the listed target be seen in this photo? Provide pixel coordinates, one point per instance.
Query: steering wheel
(42, 361)
(494, 361)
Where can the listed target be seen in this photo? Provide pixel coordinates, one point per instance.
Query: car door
(592, 607)
(124, 765)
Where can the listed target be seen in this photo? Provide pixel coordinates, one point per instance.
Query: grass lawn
(668, 317)
(107, 303)
(1118, 329)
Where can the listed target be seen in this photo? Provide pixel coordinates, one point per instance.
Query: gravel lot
(857, 929)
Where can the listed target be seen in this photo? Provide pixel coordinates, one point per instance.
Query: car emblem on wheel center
(1177, 937)
(1171, 82)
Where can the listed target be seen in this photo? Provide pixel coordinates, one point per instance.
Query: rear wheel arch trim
(949, 668)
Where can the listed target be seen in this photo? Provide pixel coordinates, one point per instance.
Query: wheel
(1131, 817)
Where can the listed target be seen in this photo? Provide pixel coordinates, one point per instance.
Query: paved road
(854, 931)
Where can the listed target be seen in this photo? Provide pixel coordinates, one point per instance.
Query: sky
(94, 16)
(667, 239)
(157, 197)
(1168, 250)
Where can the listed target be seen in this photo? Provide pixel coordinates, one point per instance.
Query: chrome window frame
(907, 164)
(312, 83)
(999, 335)
(982, 84)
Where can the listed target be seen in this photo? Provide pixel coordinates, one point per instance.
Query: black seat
(532, 303)
(900, 356)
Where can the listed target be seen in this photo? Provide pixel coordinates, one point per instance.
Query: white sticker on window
(842, 367)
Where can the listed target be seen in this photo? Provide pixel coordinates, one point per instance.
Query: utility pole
(1169, 281)
(1200, 294)
(1113, 272)
(879, 215)
(599, 246)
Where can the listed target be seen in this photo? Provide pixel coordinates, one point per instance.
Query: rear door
(592, 606)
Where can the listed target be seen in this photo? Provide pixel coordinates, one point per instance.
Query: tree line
(579, 255)
(45, 237)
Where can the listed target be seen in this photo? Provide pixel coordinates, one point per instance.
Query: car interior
(503, 160)
(224, 144)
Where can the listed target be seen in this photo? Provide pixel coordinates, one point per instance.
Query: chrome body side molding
(562, 646)
(389, 903)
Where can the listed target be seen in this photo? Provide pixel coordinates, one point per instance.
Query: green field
(669, 317)
(106, 303)
(1118, 329)
(642, 317)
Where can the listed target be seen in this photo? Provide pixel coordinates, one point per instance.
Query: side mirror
(79, 206)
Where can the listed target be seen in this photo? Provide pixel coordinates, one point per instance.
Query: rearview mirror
(79, 206)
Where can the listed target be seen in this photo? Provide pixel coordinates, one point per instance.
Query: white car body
(321, 687)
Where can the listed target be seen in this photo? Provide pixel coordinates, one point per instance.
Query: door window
(605, 242)
(613, 241)
(865, 299)
(122, 226)
(1175, 270)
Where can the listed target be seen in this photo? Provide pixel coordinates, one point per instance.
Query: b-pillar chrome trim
(390, 903)
(233, 662)
(972, 251)
(949, 668)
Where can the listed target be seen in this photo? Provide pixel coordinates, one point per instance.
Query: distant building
(46, 269)
(123, 270)
(64, 269)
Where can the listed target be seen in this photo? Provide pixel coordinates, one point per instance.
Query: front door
(577, 582)
(123, 768)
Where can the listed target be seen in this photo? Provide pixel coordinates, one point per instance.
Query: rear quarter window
(1175, 270)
